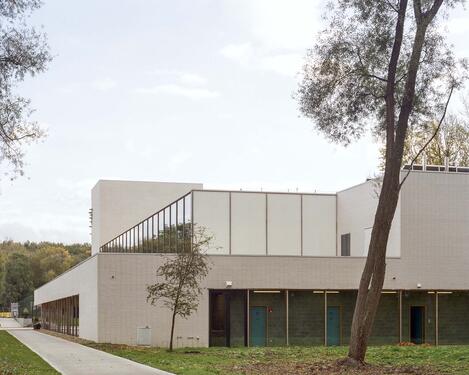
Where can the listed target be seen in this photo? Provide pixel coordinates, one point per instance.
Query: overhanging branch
(431, 138)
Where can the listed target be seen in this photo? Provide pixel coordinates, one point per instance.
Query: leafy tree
(78, 251)
(48, 262)
(179, 278)
(450, 140)
(384, 66)
(18, 281)
(23, 51)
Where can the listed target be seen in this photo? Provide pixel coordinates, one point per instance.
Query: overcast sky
(191, 91)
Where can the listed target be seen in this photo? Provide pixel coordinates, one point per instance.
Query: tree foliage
(23, 51)
(383, 66)
(17, 280)
(451, 142)
(346, 74)
(39, 263)
(49, 262)
(179, 279)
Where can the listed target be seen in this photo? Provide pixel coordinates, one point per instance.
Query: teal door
(333, 325)
(257, 321)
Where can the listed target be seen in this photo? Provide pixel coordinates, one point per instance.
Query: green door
(333, 325)
(257, 322)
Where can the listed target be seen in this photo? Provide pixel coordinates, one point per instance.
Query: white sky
(192, 91)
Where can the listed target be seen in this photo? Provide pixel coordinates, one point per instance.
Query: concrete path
(7, 323)
(70, 358)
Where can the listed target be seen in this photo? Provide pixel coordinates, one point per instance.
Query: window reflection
(167, 231)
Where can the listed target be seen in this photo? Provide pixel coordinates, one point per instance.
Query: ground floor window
(61, 315)
(319, 317)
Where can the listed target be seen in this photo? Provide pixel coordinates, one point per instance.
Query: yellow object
(5, 314)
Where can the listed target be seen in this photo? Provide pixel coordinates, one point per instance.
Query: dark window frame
(345, 244)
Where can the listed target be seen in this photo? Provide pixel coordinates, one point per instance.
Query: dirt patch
(66, 337)
(327, 368)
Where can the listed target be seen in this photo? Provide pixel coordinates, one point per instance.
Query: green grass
(446, 359)
(17, 359)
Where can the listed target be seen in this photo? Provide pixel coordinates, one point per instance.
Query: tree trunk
(371, 282)
(173, 320)
(372, 279)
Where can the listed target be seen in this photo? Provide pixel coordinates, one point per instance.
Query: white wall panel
(356, 211)
(82, 280)
(284, 224)
(248, 223)
(211, 210)
(367, 236)
(319, 225)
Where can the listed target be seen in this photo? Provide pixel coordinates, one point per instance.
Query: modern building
(284, 266)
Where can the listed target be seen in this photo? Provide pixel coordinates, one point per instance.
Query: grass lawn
(17, 359)
(298, 360)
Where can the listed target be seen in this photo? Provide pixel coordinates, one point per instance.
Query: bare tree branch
(430, 139)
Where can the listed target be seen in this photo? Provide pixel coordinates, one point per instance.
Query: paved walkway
(6, 323)
(70, 358)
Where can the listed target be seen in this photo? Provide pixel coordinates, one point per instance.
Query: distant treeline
(26, 266)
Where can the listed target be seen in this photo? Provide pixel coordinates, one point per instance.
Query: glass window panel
(160, 244)
(137, 237)
(187, 208)
(145, 236)
(154, 227)
(180, 225)
(345, 244)
(166, 230)
(140, 237)
(187, 222)
(173, 228)
(149, 235)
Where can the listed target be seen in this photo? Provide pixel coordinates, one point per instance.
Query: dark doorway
(227, 309)
(219, 319)
(417, 324)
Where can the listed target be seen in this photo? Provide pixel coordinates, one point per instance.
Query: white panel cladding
(284, 224)
(212, 211)
(123, 307)
(248, 223)
(356, 211)
(82, 280)
(367, 235)
(319, 225)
